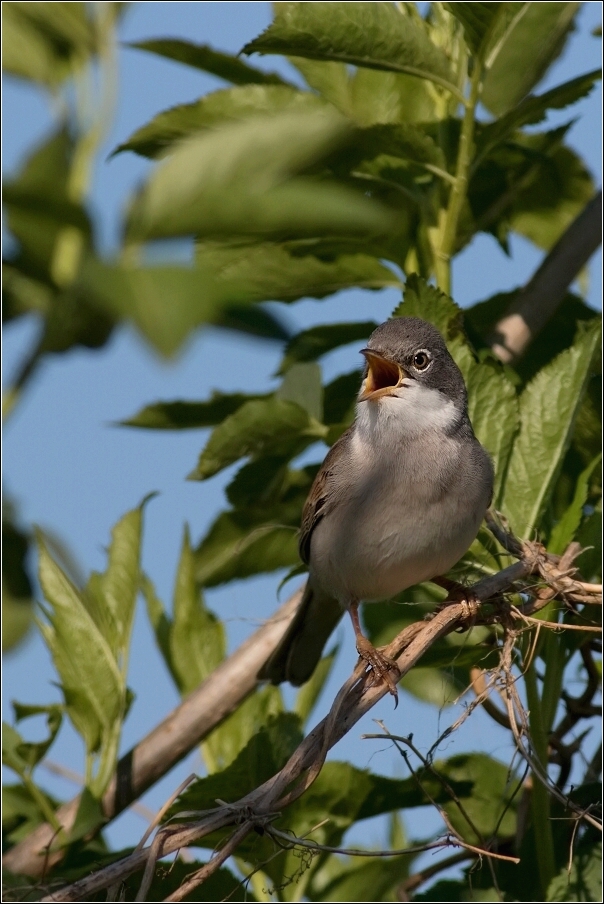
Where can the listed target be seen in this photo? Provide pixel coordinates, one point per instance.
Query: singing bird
(398, 499)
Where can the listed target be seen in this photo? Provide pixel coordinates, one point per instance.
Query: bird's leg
(382, 665)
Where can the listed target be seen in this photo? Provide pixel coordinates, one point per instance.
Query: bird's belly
(388, 556)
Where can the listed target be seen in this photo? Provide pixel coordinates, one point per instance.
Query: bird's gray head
(407, 359)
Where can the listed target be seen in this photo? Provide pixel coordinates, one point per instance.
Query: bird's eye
(421, 360)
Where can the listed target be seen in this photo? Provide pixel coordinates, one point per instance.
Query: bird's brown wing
(319, 499)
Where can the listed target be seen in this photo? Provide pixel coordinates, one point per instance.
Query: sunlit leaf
(533, 37)
(548, 409)
(202, 56)
(215, 110)
(268, 425)
(376, 35)
(242, 179)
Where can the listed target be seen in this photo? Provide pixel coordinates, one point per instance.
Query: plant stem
(458, 192)
(540, 800)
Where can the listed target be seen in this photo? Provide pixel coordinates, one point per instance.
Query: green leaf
(590, 538)
(533, 109)
(428, 302)
(478, 21)
(270, 425)
(121, 581)
(32, 753)
(339, 398)
(202, 56)
(88, 817)
(308, 345)
(271, 271)
(161, 624)
(559, 189)
(165, 303)
(488, 804)
(262, 708)
(252, 320)
(220, 885)
(197, 637)
(263, 755)
(237, 546)
(548, 409)
(583, 882)
(44, 41)
(373, 880)
(533, 37)
(493, 409)
(238, 180)
(564, 531)
(212, 111)
(90, 680)
(375, 35)
(190, 415)
(302, 385)
(22, 812)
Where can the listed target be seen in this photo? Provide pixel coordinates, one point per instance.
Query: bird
(398, 499)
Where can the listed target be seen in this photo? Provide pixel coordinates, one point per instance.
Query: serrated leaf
(202, 56)
(493, 409)
(313, 343)
(270, 425)
(237, 547)
(564, 531)
(215, 110)
(302, 385)
(548, 408)
(121, 581)
(533, 36)
(272, 271)
(428, 302)
(90, 680)
(197, 637)
(376, 35)
(182, 415)
(477, 20)
(242, 179)
(532, 110)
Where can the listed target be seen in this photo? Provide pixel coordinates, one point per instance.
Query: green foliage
(375, 174)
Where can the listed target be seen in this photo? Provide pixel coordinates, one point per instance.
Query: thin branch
(538, 301)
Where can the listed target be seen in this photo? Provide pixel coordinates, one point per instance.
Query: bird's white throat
(415, 409)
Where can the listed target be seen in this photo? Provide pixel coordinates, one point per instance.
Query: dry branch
(539, 299)
(358, 695)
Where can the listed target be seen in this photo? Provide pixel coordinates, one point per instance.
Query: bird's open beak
(383, 376)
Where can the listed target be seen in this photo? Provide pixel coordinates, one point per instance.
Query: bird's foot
(457, 593)
(381, 665)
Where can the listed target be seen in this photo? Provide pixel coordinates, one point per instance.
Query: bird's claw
(381, 665)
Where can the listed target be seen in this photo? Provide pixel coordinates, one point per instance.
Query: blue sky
(72, 472)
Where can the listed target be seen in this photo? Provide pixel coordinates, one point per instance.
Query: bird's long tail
(299, 651)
